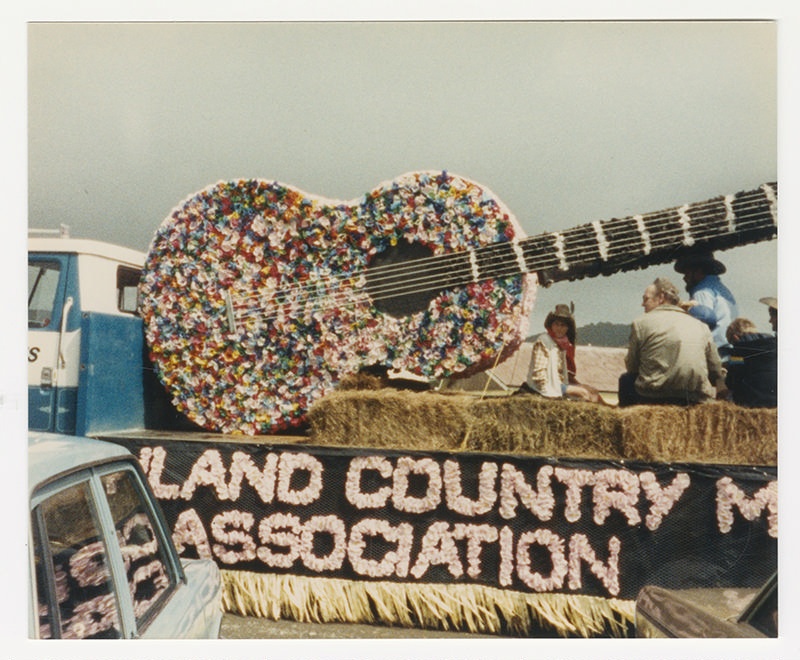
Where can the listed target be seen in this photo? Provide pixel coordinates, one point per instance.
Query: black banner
(537, 525)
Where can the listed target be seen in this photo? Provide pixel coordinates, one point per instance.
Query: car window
(42, 287)
(73, 581)
(128, 289)
(147, 568)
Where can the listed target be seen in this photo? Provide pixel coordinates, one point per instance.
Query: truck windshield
(42, 287)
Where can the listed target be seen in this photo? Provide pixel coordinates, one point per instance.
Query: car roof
(51, 454)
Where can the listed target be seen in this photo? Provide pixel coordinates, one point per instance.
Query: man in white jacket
(672, 357)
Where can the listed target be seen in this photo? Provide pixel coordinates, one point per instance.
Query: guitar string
(433, 275)
(443, 262)
(431, 278)
(589, 241)
(339, 299)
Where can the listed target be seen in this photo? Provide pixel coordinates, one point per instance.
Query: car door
(103, 565)
(53, 342)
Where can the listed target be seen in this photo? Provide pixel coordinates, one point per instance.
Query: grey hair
(668, 290)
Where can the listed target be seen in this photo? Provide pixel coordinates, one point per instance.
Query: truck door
(53, 342)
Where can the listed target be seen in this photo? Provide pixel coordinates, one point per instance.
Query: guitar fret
(771, 194)
(686, 225)
(473, 262)
(730, 216)
(520, 254)
(559, 247)
(644, 233)
(602, 242)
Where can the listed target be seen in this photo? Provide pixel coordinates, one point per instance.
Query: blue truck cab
(86, 352)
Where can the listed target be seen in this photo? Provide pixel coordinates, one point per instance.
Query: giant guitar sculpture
(258, 298)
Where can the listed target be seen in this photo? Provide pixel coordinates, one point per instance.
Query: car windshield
(42, 285)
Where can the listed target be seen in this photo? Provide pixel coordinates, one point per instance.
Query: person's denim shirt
(716, 307)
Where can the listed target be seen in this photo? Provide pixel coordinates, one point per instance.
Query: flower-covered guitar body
(258, 298)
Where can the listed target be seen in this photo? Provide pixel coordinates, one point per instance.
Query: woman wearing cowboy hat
(551, 372)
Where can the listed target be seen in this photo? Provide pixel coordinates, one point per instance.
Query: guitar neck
(635, 242)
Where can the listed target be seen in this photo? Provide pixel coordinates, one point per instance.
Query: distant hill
(604, 334)
(601, 334)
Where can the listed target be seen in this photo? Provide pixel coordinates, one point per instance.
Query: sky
(565, 122)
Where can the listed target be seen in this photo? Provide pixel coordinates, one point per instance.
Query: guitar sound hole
(398, 286)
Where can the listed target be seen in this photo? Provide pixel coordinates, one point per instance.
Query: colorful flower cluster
(255, 299)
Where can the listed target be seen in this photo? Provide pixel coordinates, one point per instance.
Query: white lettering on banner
(611, 488)
(729, 495)
(394, 562)
(284, 539)
(456, 501)
(280, 530)
(274, 479)
(401, 500)
(353, 492)
(662, 499)
(189, 531)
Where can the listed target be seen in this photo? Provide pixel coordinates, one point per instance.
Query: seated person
(772, 303)
(671, 357)
(552, 371)
(753, 368)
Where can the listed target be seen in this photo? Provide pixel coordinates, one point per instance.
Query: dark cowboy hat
(703, 259)
(563, 313)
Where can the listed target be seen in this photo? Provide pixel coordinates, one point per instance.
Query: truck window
(42, 287)
(147, 568)
(75, 593)
(128, 289)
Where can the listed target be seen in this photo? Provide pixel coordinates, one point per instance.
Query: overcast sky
(565, 122)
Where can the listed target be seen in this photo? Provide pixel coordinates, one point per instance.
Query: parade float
(512, 515)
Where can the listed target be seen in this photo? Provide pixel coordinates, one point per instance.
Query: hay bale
(718, 432)
(537, 426)
(387, 418)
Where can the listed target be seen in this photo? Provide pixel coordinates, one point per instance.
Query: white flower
(512, 483)
(581, 550)
(394, 561)
(487, 495)
(574, 480)
(269, 534)
(288, 464)
(262, 480)
(504, 574)
(616, 489)
(662, 499)
(555, 545)
(438, 547)
(425, 466)
(476, 535)
(189, 530)
(730, 495)
(208, 470)
(352, 489)
(331, 525)
(241, 522)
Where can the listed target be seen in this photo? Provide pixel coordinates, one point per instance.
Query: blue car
(102, 562)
